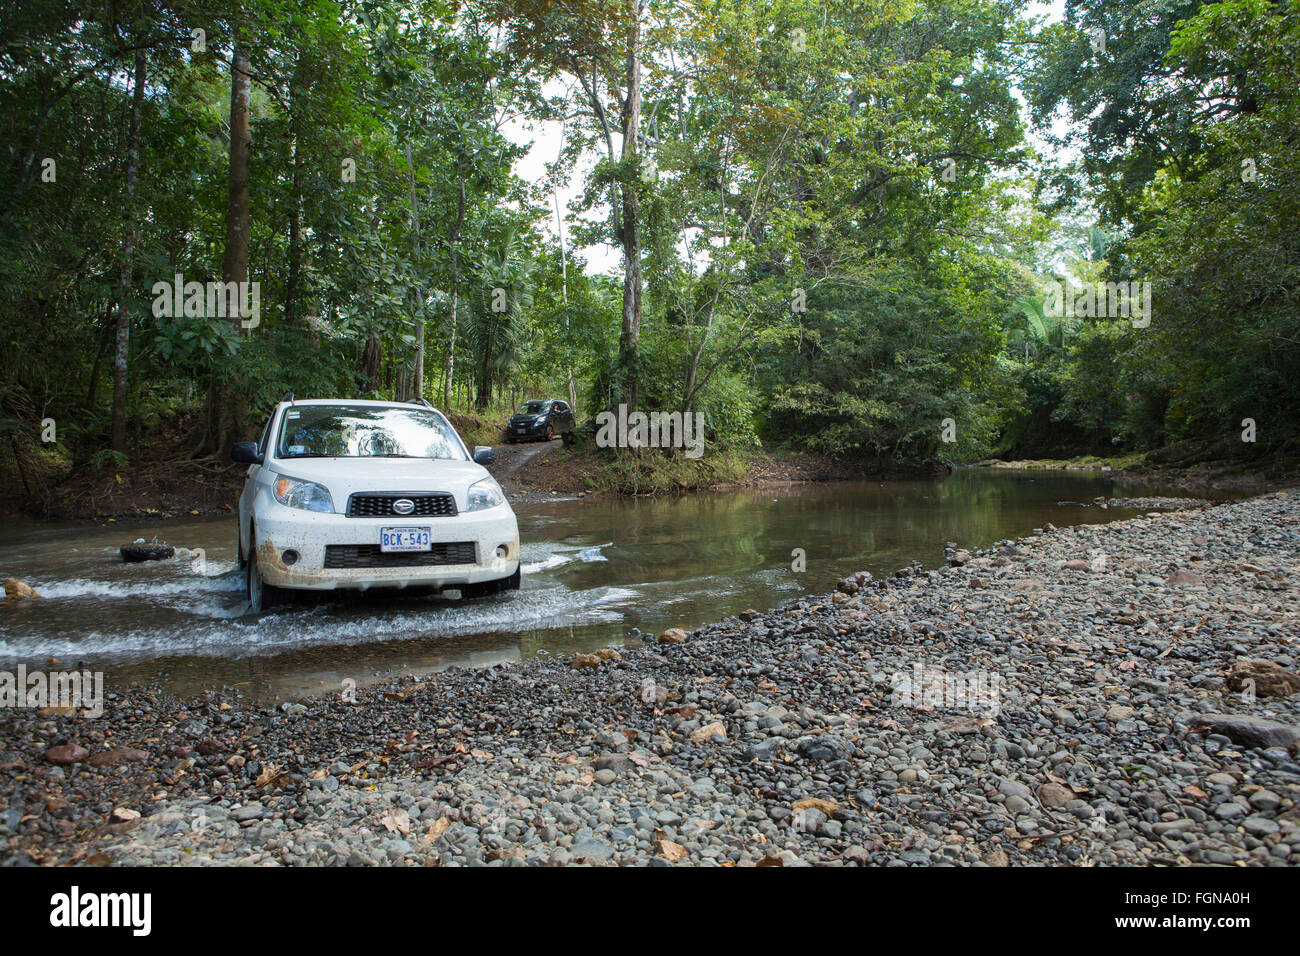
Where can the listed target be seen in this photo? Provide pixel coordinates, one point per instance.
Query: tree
(600, 45)
(121, 355)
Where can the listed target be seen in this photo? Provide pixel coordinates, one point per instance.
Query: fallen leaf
(269, 775)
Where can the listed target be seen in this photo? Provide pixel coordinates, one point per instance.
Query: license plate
(521, 429)
(405, 539)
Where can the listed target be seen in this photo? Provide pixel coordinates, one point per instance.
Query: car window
(531, 408)
(266, 434)
(366, 431)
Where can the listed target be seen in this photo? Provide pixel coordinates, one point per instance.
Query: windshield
(366, 431)
(531, 408)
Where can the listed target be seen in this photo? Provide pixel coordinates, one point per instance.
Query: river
(594, 572)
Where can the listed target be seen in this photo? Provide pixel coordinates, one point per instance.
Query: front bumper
(519, 430)
(309, 533)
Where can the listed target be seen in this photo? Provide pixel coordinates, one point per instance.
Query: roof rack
(421, 401)
(288, 397)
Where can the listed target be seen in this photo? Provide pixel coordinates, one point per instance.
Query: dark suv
(538, 419)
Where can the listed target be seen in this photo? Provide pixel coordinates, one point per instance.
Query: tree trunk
(294, 281)
(485, 381)
(128, 253)
(564, 288)
(227, 413)
(234, 266)
(368, 369)
(105, 334)
(419, 290)
(631, 331)
(449, 371)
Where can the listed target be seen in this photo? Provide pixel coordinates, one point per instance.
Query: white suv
(359, 494)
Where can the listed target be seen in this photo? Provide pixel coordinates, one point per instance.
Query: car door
(564, 418)
(249, 492)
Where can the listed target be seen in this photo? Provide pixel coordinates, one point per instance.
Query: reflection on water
(593, 570)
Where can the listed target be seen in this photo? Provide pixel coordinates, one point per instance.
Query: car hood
(348, 476)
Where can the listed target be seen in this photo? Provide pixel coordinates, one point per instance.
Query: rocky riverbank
(1107, 694)
(1168, 470)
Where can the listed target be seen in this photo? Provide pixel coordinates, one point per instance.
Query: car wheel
(261, 596)
(486, 588)
(241, 562)
(550, 432)
(256, 589)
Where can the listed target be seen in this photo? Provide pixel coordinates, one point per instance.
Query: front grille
(369, 556)
(380, 505)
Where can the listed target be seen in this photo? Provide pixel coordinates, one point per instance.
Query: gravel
(1061, 699)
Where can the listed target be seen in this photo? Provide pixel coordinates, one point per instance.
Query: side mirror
(245, 453)
(484, 455)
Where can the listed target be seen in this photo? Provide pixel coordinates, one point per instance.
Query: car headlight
(485, 494)
(295, 493)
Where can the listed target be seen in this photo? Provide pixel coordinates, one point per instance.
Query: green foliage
(656, 473)
(875, 370)
(788, 153)
(114, 460)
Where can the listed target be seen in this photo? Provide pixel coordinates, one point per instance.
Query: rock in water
(854, 582)
(131, 553)
(16, 590)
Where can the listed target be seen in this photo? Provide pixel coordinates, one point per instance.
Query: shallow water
(592, 571)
